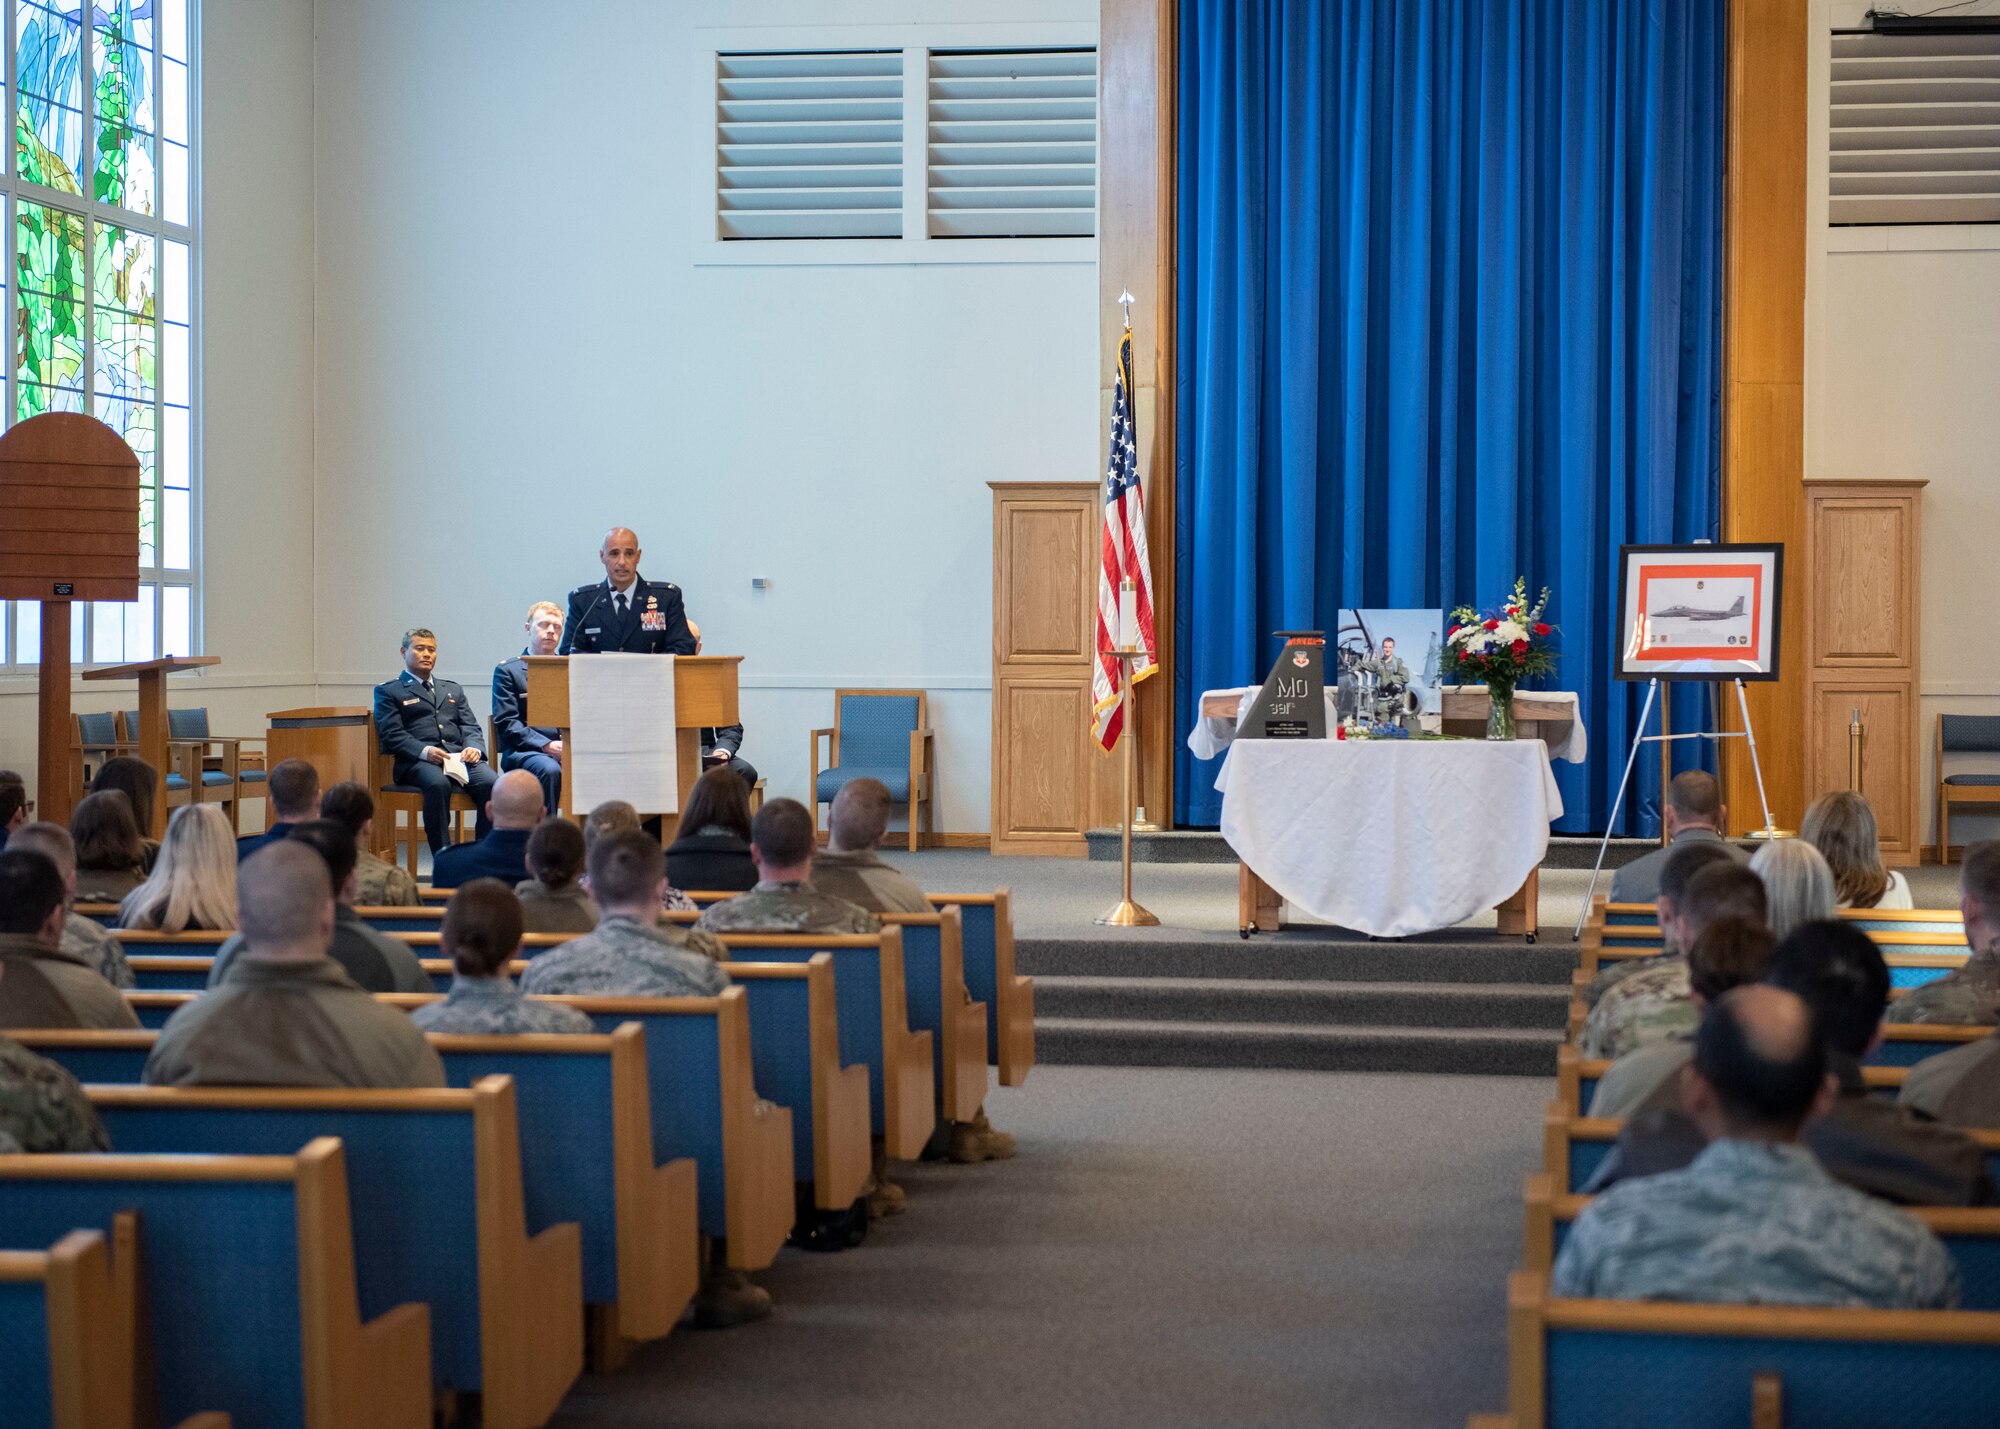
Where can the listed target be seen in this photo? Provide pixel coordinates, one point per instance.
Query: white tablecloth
(1390, 837)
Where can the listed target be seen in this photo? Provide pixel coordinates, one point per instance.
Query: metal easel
(1769, 831)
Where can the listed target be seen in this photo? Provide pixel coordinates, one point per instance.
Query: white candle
(1128, 615)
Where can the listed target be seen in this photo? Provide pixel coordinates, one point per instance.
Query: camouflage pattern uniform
(1649, 1007)
(92, 941)
(795, 907)
(493, 1006)
(625, 958)
(379, 883)
(1753, 1223)
(1610, 974)
(41, 1106)
(1968, 996)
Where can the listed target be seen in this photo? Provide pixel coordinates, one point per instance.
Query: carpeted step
(1064, 1041)
(1321, 1004)
(1299, 958)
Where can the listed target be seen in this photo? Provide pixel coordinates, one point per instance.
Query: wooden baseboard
(1055, 846)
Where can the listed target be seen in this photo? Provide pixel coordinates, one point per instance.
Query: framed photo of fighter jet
(1699, 612)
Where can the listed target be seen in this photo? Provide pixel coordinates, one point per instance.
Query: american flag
(1125, 558)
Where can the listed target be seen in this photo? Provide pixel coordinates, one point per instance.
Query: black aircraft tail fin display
(1292, 704)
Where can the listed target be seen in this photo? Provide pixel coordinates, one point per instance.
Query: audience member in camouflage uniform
(1681, 865)
(378, 883)
(41, 1106)
(480, 933)
(1656, 1004)
(553, 899)
(83, 937)
(1970, 995)
(1754, 1219)
(784, 900)
(630, 953)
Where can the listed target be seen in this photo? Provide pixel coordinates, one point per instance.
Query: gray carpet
(1195, 1248)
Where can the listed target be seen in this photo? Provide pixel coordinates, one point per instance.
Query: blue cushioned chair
(1964, 734)
(93, 739)
(188, 760)
(880, 734)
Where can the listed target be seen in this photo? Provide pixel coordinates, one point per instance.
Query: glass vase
(1500, 715)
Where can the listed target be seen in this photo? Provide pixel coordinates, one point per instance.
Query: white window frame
(916, 246)
(14, 190)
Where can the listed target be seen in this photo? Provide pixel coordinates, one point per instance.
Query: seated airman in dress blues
(420, 719)
(480, 933)
(522, 745)
(624, 611)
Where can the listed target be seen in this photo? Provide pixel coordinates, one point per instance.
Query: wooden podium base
(1259, 909)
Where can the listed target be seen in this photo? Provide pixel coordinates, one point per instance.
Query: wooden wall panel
(1888, 710)
(1045, 550)
(1764, 371)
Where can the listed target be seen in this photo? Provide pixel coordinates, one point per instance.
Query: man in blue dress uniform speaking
(624, 612)
(419, 720)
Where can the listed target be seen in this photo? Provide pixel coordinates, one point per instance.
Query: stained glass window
(98, 285)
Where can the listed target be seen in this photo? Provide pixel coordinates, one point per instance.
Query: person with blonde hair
(1798, 885)
(193, 882)
(1841, 826)
(522, 745)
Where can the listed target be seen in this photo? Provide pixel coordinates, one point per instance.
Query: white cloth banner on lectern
(621, 730)
(1390, 837)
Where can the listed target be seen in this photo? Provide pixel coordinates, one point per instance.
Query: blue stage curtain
(1450, 310)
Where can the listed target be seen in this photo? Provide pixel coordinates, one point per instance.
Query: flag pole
(1139, 822)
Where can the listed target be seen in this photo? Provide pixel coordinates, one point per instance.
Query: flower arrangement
(1500, 649)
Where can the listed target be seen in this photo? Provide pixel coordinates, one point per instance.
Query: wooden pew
(248, 1286)
(1970, 1234)
(585, 1107)
(1666, 1365)
(988, 930)
(795, 1051)
(70, 1324)
(1620, 931)
(934, 983)
(871, 998)
(190, 974)
(90, 1055)
(435, 1180)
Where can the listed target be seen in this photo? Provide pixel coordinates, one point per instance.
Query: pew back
(69, 1331)
(934, 980)
(988, 930)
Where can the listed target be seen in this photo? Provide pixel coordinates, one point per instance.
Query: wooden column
(1763, 449)
(1136, 57)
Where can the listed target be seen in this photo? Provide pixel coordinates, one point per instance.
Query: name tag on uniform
(592, 630)
(412, 702)
(652, 620)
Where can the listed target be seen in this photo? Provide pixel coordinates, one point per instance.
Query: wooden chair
(880, 734)
(286, 1346)
(93, 738)
(187, 763)
(436, 1185)
(1964, 734)
(399, 810)
(795, 1051)
(1673, 1366)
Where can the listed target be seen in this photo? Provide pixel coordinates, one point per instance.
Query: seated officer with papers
(427, 726)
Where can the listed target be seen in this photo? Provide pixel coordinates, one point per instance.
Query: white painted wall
(1903, 380)
(524, 335)
(254, 211)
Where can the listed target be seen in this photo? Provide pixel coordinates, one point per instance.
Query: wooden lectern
(69, 531)
(152, 678)
(704, 697)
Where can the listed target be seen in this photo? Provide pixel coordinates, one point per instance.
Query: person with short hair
(378, 883)
(1754, 1219)
(193, 882)
(1798, 885)
(849, 866)
(1969, 995)
(553, 898)
(522, 745)
(630, 953)
(513, 810)
(625, 611)
(783, 899)
(711, 847)
(140, 782)
(481, 934)
(85, 937)
(1694, 814)
(1864, 1140)
(1676, 873)
(287, 1016)
(1841, 825)
(1656, 1004)
(16, 808)
(420, 720)
(110, 853)
(42, 986)
(1729, 953)
(375, 961)
(293, 790)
